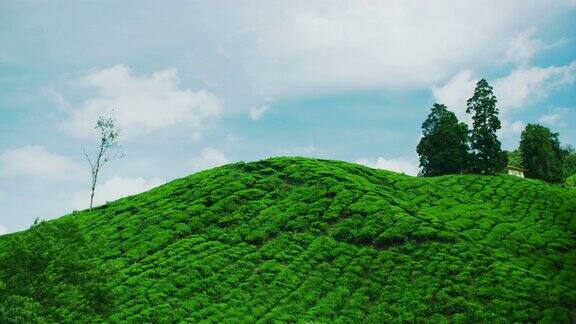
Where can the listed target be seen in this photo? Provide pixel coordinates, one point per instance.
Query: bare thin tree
(108, 149)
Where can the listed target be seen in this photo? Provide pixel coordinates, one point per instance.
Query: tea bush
(296, 239)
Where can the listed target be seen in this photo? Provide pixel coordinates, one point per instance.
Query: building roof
(515, 168)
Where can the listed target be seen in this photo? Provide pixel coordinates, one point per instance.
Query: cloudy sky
(195, 84)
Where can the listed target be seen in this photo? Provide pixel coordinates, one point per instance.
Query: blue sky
(196, 84)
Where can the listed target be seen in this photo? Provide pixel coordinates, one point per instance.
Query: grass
(297, 239)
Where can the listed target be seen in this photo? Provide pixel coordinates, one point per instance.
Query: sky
(198, 84)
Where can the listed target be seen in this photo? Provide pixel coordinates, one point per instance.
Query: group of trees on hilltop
(448, 146)
(543, 157)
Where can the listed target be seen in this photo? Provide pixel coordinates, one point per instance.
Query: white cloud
(61, 102)
(523, 86)
(524, 46)
(526, 85)
(407, 165)
(141, 104)
(3, 230)
(257, 112)
(268, 47)
(554, 118)
(343, 44)
(518, 126)
(209, 158)
(37, 162)
(550, 119)
(510, 128)
(115, 188)
(456, 92)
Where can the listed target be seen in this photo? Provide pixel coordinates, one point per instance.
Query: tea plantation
(306, 240)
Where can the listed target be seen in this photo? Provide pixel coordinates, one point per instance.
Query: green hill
(295, 239)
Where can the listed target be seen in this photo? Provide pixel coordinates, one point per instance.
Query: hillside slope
(315, 240)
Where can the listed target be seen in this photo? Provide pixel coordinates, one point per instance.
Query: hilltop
(297, 239)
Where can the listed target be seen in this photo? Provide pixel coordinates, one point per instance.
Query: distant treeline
(448, 146)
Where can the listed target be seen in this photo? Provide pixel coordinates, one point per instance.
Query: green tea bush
(304, 240)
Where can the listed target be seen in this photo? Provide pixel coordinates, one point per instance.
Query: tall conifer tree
(487, 154)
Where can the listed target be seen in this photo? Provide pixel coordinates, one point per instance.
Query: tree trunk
(95, 171)
(94, 180)
(92, 198)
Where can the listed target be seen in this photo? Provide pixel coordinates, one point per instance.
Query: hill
(296, 239)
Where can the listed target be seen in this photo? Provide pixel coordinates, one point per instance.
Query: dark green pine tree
(443, 148)
(541, 154)
(487, 154)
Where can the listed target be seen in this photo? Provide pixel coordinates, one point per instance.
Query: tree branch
(88, 158)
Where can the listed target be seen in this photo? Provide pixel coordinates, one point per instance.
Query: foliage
(569, 160)
(541, 154)
(305, 240)
(443, 148)
(487, 154)
(515, 158)
(571, 181)
(50, 273)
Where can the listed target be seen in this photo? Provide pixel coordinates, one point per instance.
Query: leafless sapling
(108, 150)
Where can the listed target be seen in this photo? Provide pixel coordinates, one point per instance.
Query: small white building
(515, 171)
